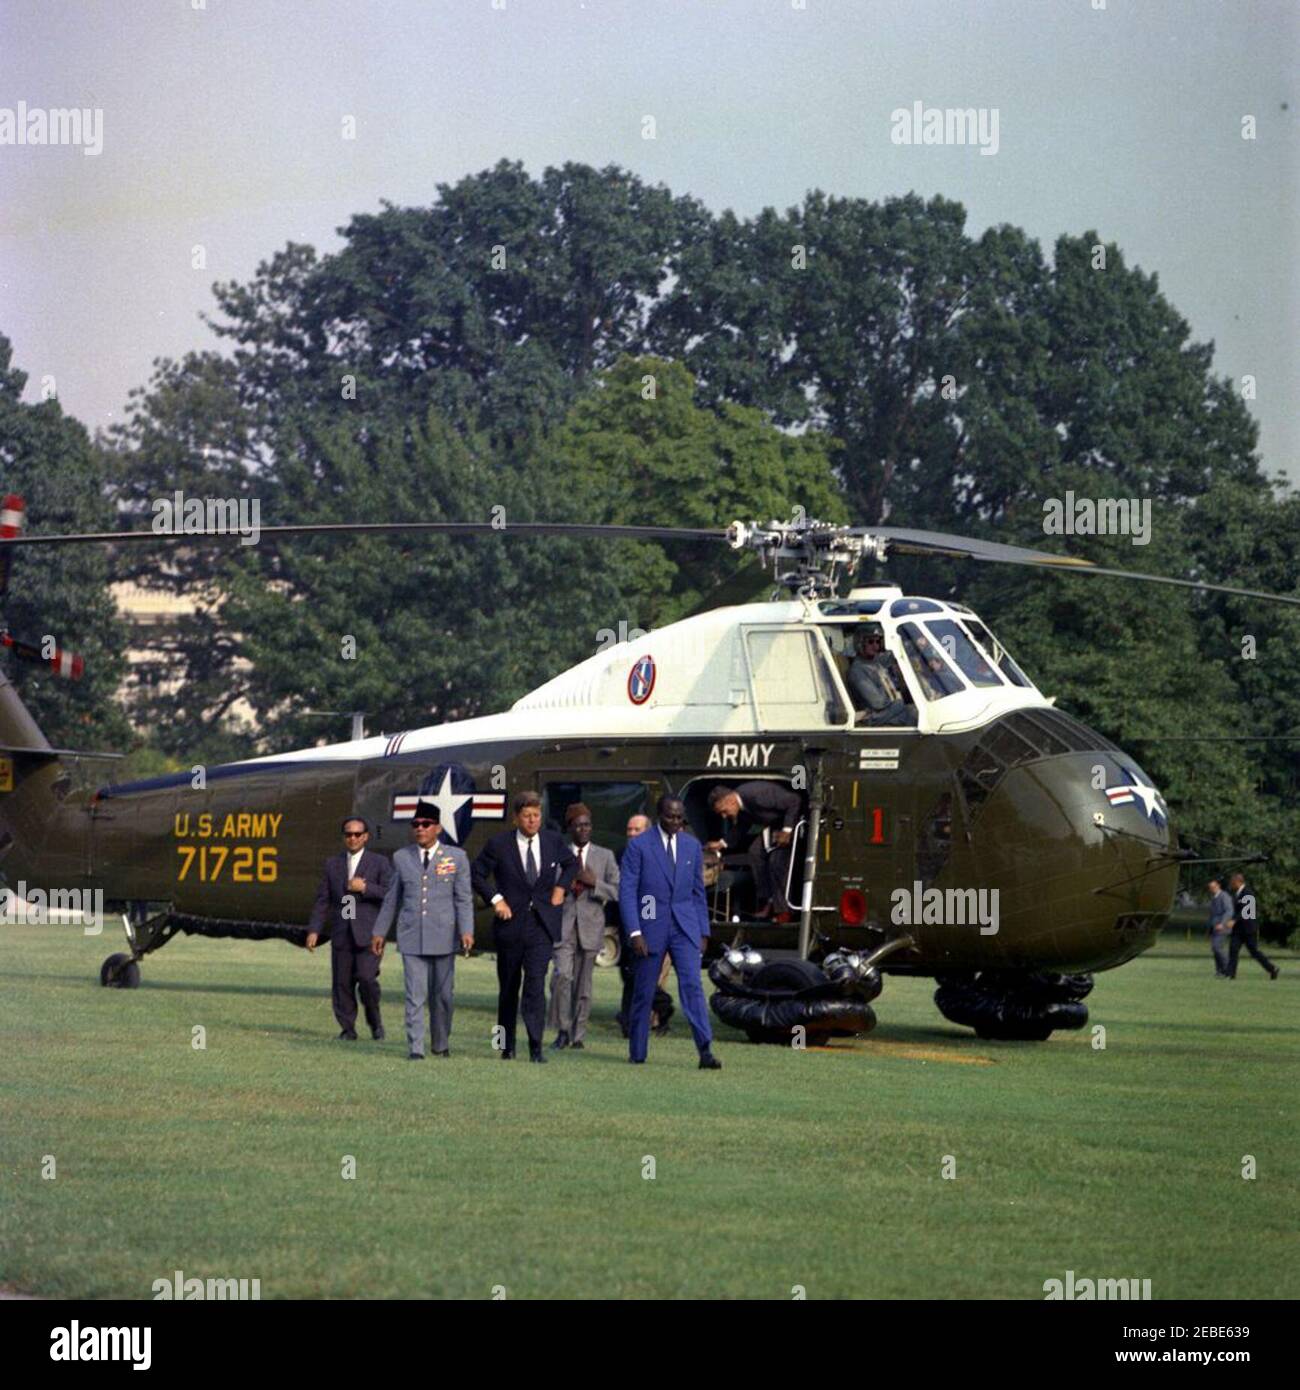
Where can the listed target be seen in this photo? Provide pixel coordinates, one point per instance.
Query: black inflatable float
(1015, 1007)
(769, 1000)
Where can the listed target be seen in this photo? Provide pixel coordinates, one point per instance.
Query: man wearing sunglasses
(431, 902)
(351, 891)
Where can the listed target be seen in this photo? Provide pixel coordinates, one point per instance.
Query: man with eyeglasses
(351, 891)
(431, 902)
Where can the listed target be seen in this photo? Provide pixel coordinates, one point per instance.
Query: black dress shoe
(536, 1055)
(446, 1052)
(1274, 973)
(378, 1033)
(508, 1054)
(708, 1062)
(561, 1040)
(415, 1056)
(577, 1047)
(637, 1061)
(345, 1036)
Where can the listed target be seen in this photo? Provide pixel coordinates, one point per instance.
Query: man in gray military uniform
(874, 683)
(430, 898)
(582, 929)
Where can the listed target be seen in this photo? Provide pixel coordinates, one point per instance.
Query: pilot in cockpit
(875, 683)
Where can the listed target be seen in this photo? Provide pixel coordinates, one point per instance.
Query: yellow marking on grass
(910, 1051)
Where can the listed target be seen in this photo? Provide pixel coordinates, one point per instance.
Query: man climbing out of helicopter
(875, 683)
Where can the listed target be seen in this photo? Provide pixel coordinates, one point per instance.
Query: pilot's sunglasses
(354, 834)
(423, 824)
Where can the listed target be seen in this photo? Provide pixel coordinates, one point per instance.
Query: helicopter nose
(1074, 837)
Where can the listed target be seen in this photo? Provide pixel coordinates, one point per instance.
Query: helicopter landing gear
(1014, 1007)
(144, 933)
(120, 971)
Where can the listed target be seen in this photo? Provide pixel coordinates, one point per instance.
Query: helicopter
(981, 792)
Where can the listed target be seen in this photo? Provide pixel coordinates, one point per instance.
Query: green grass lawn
(817, 1168)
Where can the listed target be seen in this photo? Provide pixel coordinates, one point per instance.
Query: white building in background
(149, 614)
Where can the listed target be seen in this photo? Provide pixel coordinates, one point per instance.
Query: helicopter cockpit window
(996, 652)
(960, 649)
(933, 674)
(793, 687)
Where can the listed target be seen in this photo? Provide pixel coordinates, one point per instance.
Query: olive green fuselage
(1017, 814)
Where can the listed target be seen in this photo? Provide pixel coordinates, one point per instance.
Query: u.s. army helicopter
(984, 838)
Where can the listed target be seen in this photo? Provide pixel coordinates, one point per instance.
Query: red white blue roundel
(641, 680)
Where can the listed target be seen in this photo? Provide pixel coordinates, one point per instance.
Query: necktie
(426, 861)
(530, 865)
(672, 848)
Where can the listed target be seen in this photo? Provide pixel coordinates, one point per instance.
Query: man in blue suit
(662, 903)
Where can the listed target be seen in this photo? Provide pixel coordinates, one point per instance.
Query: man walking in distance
(766, 807)
(351, 891)
(431, 902)
(523, 875)
(1220, 927)
(582, 929)
(1245, 928)
(662, 903)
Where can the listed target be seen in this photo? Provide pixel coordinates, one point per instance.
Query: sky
(222, 127)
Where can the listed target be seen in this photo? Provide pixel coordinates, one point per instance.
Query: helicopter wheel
(120, 972)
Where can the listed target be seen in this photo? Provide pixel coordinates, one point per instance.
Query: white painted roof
(702, 685)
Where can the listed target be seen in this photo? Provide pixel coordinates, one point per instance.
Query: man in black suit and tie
(766, 807)
(351, 892)
(522, 874)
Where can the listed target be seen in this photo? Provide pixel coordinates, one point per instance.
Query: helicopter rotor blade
(449, 528)
(910, 542)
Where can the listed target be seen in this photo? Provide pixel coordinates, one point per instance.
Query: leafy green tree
(46, 457)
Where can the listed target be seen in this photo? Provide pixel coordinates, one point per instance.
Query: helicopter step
(1018, 1006)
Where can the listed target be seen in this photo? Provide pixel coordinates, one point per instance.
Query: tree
(46, 457)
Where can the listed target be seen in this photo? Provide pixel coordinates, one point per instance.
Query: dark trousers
(770, 868)
(523, 955)
(355, 970)
(1247, 934)
(686, 962)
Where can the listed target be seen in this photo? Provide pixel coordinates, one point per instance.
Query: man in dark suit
(663, 907)
(351, 892)
(1245, 928)
(523, 874)
(772, 811)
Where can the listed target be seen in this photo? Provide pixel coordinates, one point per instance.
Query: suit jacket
(585, 911)
(677, 890)
(1245, 902)
(433, 907)
(328, 908)
(498, 869)
(769, 803)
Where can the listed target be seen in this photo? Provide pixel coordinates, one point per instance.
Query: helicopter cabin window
(933, 674)
(610, 803)
(793, 686)
(882, 701)
(960, 649)
(996, 652)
